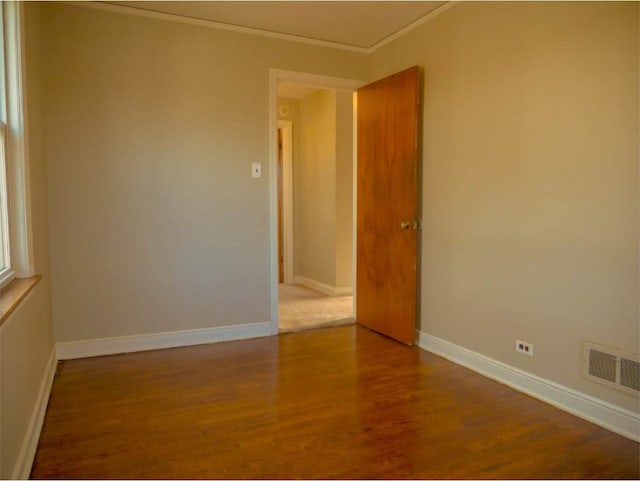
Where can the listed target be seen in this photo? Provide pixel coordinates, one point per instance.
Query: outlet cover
(524, 347)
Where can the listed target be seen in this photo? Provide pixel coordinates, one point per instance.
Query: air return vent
(630, 374)
(612, 367)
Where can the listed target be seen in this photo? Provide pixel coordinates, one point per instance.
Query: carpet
(303, 308)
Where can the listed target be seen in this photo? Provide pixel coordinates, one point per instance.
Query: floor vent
(612, 367)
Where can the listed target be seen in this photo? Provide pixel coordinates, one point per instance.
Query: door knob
(405, 225)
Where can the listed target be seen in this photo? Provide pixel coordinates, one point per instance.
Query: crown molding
(170, 17)
(199, 22)
(415, 24)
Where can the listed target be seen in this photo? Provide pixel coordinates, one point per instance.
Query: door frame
(312, 80)
(286, 127)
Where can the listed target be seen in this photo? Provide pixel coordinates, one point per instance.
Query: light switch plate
(256, 170)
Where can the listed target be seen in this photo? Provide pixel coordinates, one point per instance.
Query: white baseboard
(322, 287)
(22, 468)
(161, 340)
(604, 414)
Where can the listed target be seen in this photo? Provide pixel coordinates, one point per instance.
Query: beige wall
(323, 189)
(530, 180)
(315, 188)
(294, 117)
(156, 223)
(26, 338)
(26, 344)
(344, 189)
(530, 184)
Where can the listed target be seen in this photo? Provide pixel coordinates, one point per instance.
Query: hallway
(302, 308)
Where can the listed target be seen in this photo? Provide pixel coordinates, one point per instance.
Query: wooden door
(280, 217)
(387, 236)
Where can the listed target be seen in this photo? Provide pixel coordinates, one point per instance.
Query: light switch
(256, 170)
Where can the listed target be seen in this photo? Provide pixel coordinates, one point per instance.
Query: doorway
(314, 291)
(284, 183)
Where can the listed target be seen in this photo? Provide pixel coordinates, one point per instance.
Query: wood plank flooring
(341, 402)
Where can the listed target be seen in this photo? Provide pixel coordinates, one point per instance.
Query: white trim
(6, 276)
(22, 468)
(322, 287)
(286, 126)
(160, 340)
(602, 413)
(199, 22)
(319, 81)
(19, 187)
(4, 209)
(316, 81)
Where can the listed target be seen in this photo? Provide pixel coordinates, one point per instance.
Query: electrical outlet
(524, 348)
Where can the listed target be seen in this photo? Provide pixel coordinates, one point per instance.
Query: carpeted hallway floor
(303, 308)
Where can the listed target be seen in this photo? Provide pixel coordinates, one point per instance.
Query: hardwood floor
(341, 402)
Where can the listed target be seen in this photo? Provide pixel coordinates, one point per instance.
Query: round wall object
(284, 110)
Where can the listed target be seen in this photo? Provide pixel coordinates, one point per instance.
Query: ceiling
(358, 25)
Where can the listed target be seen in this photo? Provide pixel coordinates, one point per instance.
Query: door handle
(408, 225)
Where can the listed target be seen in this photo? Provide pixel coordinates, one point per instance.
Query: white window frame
(15, 193)
(6, 268)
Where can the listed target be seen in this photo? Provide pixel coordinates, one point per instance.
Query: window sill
(13, 293)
